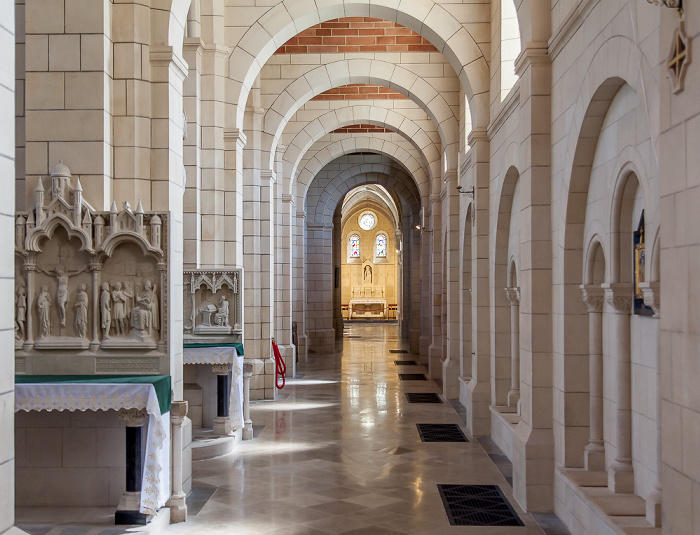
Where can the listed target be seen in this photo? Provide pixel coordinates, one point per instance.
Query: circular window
(367, 221)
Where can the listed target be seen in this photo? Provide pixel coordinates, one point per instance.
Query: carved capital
(133, 417)
(652, 296)
(247, 369)
(178, 411)
(221, 369)
(513, 295)
(619, 296)
(593, 297)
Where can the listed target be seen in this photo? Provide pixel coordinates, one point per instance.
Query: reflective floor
(340, 453)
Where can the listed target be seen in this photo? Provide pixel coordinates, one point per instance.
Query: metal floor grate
(405, 363)
(398, 351)
(441, 433)
(353, 336)
(423, 397)
(412, 377)
(477, 505)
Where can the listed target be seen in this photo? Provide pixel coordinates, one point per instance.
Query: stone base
(653, 515)
(533, 468)
(248, 431)
(65, 342)
(128, 342)
(477, 402)
(222, 426)
(322, 340)
(621, 480)
(450, 378)
(594, 459)
(125, 518)
(213, 330)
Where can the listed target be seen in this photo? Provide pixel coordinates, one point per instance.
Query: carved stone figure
(43, 305)
(368, 275)
(20, 312)
(62, 294)
(221, 316)
(119, 318)
(81, 312)
(144, 315)
(106, 309)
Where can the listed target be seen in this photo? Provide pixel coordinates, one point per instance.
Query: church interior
(244, 231)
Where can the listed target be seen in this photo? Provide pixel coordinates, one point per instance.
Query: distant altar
(367, 301)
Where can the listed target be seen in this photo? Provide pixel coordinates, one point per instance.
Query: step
(206, 445)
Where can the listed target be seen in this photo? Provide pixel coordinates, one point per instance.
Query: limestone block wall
(70, 459)
(7, 208)
(680, 403)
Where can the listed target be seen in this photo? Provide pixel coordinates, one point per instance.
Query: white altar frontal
(367, 308)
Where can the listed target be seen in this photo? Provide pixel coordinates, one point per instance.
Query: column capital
(652, 296)
(268, 174)
(178, 411)
(165, 55)
(301, 214)
(533, 52)
(619, 296)
(288, 198)
(133, 417)
(513, 295)
(221, 369)
(476, 135)
(593, 296)
(247, 369)
(236, 135)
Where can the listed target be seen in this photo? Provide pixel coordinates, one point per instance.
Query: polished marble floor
(340, 453)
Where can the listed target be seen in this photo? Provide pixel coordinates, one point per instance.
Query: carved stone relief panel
(89, 284)
(212, 305)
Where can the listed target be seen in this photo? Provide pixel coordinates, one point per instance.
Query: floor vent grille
(423, 397)
(477, 505)
(405, 363)
(412, 377)
(441, 433)
(398, 351)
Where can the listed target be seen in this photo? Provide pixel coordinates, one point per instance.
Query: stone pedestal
(222, 422)
(128, 508)
(178, 507)
(248, 423)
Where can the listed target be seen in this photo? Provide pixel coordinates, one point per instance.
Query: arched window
(381, 246)
(354, 246)
(510, 46)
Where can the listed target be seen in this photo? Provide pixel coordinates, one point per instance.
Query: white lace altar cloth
(155, 482)
(223, 355)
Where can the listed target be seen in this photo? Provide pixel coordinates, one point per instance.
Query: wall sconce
(673, 4)
(469, 192)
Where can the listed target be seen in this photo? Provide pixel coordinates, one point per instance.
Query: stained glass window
(354, 246)
(367, 221)
(381, 245)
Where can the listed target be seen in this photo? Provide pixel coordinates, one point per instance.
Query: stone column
(178, 507)
(478, 391)
(128, 508)
(594, 455)
(513, 295)
(96, 330)
(620, 299)
(299, 284)
(435, 355)
(222, 422)
(248, 423)
(652, 299)
(29, 338)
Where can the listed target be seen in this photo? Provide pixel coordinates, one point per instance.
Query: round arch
(429, 19)
(392, 120)
(377, 72)
(333, 150)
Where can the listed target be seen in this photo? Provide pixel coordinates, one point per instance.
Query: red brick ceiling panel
(356, 34)
(362, 129)
(359, 92)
